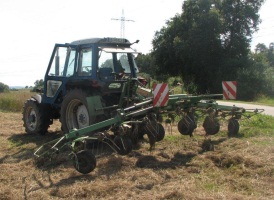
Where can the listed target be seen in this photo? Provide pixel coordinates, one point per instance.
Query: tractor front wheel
(35, 117)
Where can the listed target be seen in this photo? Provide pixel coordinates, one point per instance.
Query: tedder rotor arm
(229, 110)
(121, 116)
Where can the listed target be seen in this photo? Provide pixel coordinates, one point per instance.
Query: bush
(256, 79)
(176, 85)
(38, 85)
(3, 88)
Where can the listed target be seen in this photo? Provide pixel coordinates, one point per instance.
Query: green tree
(261, 48)
(258, 78)
(208, 42)
(38, 85)
(146, 64)
(270, 54)
(241, 20)
(266, 51)
(3, 87)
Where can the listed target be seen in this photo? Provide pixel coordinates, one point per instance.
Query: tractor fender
(37, 97)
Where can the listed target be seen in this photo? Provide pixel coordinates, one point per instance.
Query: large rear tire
(36, 117)
(74, 111)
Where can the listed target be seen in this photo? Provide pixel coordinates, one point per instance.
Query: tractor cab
(85, 81)
(101, 63)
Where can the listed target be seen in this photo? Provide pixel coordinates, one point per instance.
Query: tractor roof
(101, 41)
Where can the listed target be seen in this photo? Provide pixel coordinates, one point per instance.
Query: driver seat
(105, 74)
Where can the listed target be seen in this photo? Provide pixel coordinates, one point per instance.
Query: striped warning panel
(229, 89)
(160, 94)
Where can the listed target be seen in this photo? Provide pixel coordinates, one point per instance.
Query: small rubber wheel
(211, 125)
(160, 132)
(84, 161)
(155, 130)
(233, 127)
(186, 125)
(123, 145)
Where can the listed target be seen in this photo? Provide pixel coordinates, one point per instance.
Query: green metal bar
(187, 100)
(219, 107)
(83, 131)
(120, 117)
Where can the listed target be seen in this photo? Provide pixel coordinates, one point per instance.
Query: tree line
(38, 85)
(209, 42)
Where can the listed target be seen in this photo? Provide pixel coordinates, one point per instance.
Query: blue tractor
(82, 85)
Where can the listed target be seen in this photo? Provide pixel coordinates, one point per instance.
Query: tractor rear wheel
(74, 111)
(36, 117)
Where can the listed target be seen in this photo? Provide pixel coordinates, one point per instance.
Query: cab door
(61, 66)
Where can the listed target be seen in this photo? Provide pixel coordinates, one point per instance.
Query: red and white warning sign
(160, 94)
(229, 89)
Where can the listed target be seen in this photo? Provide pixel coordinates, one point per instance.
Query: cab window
(85, 62)
(58, 65)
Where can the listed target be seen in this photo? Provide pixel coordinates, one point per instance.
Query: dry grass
(179, 168)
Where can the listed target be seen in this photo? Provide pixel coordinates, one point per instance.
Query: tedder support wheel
(160, 132)
(74, 111)
(156, 130)
(233, 127)
(35, 117)
(123, 145)
(84, 161)
(187, 125)
(211, 125)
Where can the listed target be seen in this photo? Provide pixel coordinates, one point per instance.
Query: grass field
(178, 168)
(13, 101)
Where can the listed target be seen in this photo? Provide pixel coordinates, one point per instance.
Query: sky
(30, 28)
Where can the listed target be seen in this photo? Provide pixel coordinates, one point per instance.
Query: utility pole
(123, 20)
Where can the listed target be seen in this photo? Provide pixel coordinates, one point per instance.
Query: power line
(123, 20)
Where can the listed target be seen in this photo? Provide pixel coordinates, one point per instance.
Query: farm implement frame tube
(119, 119)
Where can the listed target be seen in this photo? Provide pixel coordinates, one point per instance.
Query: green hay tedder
(92, 87)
